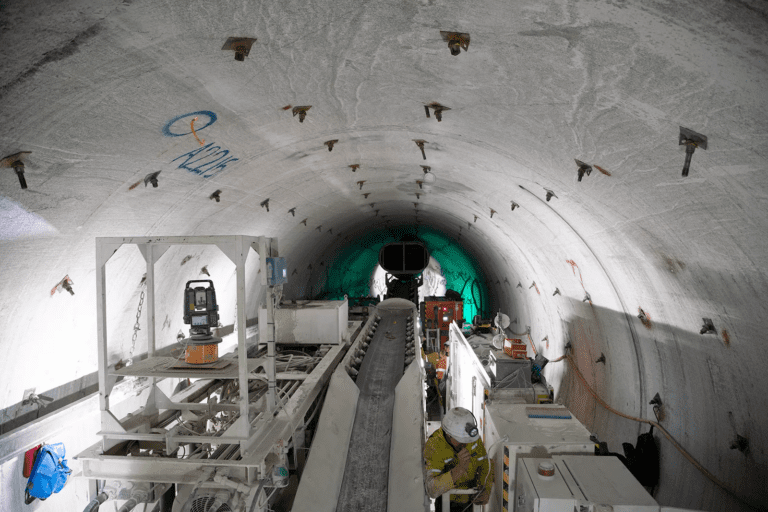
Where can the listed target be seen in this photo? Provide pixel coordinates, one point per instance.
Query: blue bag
(49, 473)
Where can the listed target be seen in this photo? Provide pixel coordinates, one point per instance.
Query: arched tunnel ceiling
(89, 86)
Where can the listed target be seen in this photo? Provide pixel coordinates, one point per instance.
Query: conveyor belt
(367, 470)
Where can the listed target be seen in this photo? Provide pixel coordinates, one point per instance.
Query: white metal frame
(446, 497)
(432, 339)
(465, 379)
(236, 248)
(271, 431)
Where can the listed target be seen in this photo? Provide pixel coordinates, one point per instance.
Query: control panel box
(309, 322)
(531, 430)
(502, 366)
(437, 313)
(595, 483)
(277, 271)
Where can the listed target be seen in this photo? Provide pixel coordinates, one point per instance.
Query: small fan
(502, 322)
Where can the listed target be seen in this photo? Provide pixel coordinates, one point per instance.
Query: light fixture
(429, 176)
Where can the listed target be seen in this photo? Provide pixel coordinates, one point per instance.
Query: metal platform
(225, 368)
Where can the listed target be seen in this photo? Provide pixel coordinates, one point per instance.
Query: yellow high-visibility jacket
(440, 457)
(432, 358)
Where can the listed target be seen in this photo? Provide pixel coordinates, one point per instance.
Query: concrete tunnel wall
(103, 93)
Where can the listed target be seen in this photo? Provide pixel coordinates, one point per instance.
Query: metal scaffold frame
(259, 429)
(236, 248)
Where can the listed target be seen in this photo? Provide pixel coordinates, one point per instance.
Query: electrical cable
(677, 445)
(183, 352)
(274, 490)
(474, 299)
(532, 345)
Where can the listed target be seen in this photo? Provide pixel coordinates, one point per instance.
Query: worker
(436, 367)
(442, 363)
(441, 370)
(455, 458)
(432, 358)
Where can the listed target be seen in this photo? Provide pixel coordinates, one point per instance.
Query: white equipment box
(531, 431)
(567, 483)
(309, 322)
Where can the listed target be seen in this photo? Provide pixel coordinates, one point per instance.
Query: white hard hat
(460, 424)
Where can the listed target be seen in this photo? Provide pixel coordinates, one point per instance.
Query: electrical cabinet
(310, 322)
(503, 366)
(530, 431)
(437, 313)
(537, 493)
(565, 483)
(277, 271)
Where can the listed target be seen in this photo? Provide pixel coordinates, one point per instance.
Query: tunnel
(542, 166)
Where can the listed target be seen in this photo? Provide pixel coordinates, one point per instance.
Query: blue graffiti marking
(211, 119)
(211, 154)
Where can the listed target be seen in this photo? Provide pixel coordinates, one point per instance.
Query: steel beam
(277, 430)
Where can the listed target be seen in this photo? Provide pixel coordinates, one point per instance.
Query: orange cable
(532, 345)
(682, 450)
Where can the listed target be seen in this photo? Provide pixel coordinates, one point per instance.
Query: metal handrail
(447, 499)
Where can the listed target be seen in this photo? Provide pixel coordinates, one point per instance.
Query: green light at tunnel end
(351, 270)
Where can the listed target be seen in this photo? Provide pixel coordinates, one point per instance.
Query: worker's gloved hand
(483, 498)
(461, 468)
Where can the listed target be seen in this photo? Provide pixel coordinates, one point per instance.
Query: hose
(93, 506)
(478, 304)
(256, 494)
(129, 505)
(682, 450)
(532, 345)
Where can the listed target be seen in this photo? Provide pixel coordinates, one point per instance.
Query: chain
(136, 329)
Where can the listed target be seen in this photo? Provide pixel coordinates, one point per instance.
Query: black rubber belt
(366, 474)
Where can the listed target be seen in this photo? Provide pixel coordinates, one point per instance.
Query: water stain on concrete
(570, 34)
(54, 55)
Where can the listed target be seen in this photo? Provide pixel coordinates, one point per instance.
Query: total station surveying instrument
(201, 312)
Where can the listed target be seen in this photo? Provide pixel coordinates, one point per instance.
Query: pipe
(129, 505)
(93, 506)
(672, 440)
(271, 372)
(222, 479)
(256, 494)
